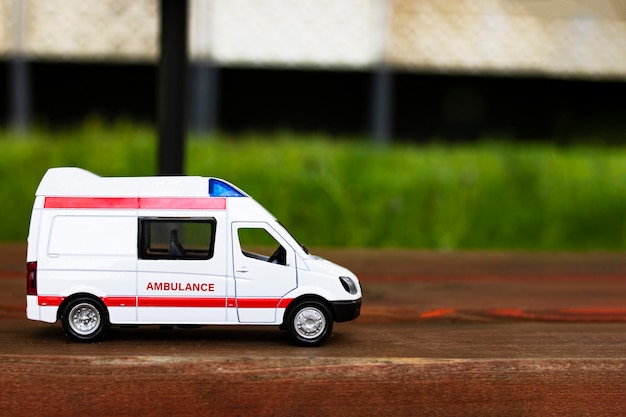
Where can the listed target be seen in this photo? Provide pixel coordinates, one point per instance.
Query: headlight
(349, 285)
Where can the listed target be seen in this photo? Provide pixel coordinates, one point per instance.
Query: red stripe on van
(120, 301)
(285, 302)
(55, 301)
(49, 300)
(154, 203)
(263, 302)
(213, 302)
(180, 302)
(214, 203)
(90, 202)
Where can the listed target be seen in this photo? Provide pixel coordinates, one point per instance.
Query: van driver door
(264, 270)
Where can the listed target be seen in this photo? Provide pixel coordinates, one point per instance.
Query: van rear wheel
(85, 319)
(309, 323)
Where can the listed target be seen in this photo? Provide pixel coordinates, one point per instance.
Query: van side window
(167, 238)
(258, 244)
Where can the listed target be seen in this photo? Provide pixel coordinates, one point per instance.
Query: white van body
(169, 251)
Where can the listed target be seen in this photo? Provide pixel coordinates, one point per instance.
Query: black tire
(309, 323)
(85, 319)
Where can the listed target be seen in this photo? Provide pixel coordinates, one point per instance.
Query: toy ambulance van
(173, 251)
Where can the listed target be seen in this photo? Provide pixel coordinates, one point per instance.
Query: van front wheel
(309, 323)
(85, 319)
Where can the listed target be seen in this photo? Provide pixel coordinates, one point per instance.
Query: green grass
(332, 192)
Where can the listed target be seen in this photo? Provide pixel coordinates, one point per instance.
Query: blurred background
(437, 124)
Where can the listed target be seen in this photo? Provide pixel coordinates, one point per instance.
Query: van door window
(258, 244)
(167, 238)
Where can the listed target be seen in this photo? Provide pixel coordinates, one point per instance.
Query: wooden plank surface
(441, 334)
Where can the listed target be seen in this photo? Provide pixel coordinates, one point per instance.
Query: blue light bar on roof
(219, 188)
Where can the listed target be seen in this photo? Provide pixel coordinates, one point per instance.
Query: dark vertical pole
(203, 82)
(19, 93)
(382, 102)
(382, 83)
(172, 86)
(19, 75)
(204, 92)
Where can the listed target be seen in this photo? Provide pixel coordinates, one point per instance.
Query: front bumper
(346, 310)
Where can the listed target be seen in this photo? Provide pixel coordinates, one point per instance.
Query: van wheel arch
(306, 297)
(96, 317)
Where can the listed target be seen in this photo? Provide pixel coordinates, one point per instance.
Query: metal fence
(552, 37)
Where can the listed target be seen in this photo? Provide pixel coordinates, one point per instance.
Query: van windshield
(294, 238)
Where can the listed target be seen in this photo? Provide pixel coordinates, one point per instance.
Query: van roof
(72, 181)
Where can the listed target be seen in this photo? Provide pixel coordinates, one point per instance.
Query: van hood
(321, 265)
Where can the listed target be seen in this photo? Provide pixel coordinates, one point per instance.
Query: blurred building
(449, 67)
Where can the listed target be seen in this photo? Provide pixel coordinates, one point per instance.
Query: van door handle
(242, 269)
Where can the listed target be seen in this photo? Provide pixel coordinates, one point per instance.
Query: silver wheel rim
(309, 322)
(84, 318)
